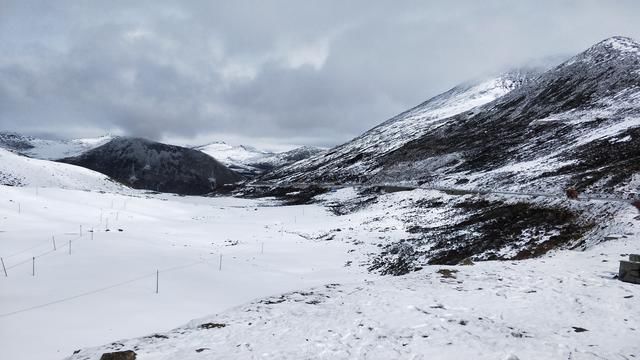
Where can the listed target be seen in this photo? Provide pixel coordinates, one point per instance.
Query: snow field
(105, 289)
(568, 306)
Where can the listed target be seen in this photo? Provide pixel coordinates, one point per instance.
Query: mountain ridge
(526, 138)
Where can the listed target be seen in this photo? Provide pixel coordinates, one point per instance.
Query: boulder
(119, 355)
(629, 271)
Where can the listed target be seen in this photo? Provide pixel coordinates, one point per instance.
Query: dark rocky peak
(145, 164)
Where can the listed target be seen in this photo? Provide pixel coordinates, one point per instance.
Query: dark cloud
(279, 72)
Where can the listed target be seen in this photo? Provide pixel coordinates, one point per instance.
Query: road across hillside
(401, 187)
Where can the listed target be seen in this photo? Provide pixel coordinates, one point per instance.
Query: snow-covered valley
(564, 307)
(487, 222)
(182, 237)
(293, 284)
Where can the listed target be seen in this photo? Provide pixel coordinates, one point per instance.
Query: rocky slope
(577, 124)
(144, 164)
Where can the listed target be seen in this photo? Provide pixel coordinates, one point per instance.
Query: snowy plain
(290, 284)
(182, 237)
(567, 306)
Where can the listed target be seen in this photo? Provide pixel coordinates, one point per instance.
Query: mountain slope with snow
(360, 155)
(237, 158)
(18, 170)
(49, 149)
(250, 161)
(577, 124)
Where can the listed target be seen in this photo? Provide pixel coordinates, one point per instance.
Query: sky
(272, 74)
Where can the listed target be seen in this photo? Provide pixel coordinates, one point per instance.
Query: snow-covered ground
(105, 289)
(568, 306)
(290, 284)
(18, 170)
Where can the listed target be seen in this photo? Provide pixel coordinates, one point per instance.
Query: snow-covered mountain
(360, 155)
(577, 124)
(49, 149)
(278, 160)
(250, 161)
(237, 158)
(18, 170)
(144, 164)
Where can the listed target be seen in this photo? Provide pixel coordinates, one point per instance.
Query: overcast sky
(266, 73)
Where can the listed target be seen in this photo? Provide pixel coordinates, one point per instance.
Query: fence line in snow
(105, 288)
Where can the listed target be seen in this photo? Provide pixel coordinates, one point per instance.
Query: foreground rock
(119, 355)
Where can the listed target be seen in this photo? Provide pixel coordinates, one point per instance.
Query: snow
(229, 154)
(183, 237)
(286, 289)
(251, 161)
(58, 149)
(623, 44)
(568, 306)
(19, 170)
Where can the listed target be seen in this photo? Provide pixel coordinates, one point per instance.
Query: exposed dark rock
(483, 230)
(119, 355)
(212, 326)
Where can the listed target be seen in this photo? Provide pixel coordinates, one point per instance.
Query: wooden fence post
(3, 267)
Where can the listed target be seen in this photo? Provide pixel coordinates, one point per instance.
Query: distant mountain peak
(613, 50)
(617, 43)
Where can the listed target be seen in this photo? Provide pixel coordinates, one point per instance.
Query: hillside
(49, 149)
(360, 157)
(18, 170)
(251, 162)
(143, 164)
(574, 125)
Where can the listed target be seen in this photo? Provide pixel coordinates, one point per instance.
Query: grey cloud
(288, 71)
